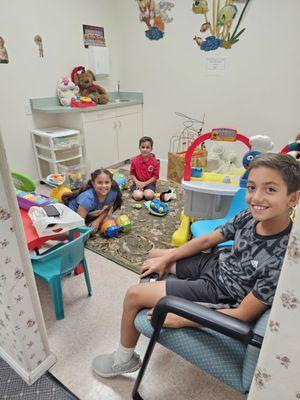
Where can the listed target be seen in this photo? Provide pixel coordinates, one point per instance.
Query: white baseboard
(33, 376)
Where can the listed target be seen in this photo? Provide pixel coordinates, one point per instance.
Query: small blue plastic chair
(59, 261)
(238, 204)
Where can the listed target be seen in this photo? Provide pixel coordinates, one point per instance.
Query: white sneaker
(105, 366)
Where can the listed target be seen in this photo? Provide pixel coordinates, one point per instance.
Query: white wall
(259, 93)
(23, 340)
(29, 76)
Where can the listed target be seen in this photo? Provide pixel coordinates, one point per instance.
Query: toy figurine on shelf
(111, 227)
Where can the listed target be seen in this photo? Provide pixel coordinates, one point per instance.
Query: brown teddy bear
(85, 80)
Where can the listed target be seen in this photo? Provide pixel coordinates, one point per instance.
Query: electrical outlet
(27, 108)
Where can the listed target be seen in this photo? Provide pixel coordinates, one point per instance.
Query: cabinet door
(101, 143)
(130, 130)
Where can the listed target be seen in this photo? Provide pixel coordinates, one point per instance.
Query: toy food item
(55, 179)
(82, 102)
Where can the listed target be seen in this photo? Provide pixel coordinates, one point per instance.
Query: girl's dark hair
(66, 198)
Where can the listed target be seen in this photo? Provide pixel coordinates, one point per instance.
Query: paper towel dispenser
(98, 60)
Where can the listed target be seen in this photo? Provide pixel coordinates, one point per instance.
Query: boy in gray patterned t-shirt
(245, 276)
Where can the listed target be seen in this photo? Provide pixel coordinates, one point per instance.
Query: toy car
(157, 207)
(112, 227)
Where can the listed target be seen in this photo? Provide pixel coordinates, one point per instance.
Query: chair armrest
(207, 317)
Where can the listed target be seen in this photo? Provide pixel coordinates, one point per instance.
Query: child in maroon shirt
(144, 171)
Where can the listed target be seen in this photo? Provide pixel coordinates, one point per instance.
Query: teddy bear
(66, 91)
(85, 80)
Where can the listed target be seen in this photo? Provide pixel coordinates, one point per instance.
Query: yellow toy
(233, 178)
(182, 234)
(58, 192)
(57, 180)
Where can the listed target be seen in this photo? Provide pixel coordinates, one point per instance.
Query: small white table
(208, 200)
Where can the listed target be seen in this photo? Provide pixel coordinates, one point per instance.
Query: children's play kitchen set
(209, 195)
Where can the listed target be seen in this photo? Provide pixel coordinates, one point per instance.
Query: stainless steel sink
(120, 100)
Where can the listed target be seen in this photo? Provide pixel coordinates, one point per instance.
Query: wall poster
(93, 36)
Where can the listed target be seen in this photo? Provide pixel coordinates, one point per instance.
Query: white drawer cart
(56, 149)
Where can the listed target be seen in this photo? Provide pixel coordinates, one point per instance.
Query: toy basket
(176, 163)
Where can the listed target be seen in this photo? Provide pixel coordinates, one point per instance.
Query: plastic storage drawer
(75, 173)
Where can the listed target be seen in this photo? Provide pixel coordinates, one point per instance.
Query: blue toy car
(157, 207)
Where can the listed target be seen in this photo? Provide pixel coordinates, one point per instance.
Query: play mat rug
(131, 249)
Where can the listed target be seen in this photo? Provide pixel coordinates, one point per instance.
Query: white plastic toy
(66, 91)
(261, 143)
(221, 161)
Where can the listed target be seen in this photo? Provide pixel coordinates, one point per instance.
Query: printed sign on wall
(155, 14)
(218, 23)
(93, 36)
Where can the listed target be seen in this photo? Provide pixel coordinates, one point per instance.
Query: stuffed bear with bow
(85, 80)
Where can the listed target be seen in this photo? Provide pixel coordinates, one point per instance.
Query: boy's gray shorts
(197, 280)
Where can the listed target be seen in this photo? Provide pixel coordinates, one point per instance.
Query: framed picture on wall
(93, 36)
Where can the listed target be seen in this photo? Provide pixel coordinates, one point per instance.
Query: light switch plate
(27, 108)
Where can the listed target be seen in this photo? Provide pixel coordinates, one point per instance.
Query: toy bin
(207, 200)
(76, 173)
(64, 143)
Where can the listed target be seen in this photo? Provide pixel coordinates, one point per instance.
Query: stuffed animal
(261, 143)
(66, 91)
(85, 80)
(294, 148)
(220, 161)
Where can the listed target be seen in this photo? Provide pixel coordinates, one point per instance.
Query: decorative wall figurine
(39, 42)
(3, 52)
(155, 15)
(220, 26)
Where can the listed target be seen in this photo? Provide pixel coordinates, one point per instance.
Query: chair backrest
(70, 253)
(22, 182)
(238, 203)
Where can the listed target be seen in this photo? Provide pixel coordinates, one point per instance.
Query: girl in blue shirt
(94, 201)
